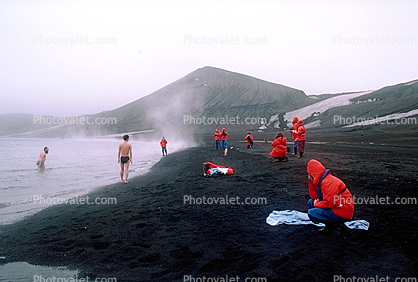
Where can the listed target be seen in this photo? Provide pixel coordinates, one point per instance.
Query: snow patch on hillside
(322, 106)
(412, 82)
(313, 124)
(398, 118)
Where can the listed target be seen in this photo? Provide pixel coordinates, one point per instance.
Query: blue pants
(218, 144)
(295, 144)
(224, 144)
(164, 150)
(318, 215)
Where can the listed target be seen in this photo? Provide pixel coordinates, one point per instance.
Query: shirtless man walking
(124, 158)
(42, 158)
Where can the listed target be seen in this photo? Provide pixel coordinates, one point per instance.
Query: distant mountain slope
(385, 103)
(178, 107)
(211, 93)
(401, 90)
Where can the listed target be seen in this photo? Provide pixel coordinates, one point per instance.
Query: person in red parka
(224, 138)
(163, 144)
(300, 138)
(250, 140)
(331, 202)
(294, 135)
(217, 138)
(279, 152)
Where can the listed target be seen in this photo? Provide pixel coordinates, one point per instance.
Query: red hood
(316, 169)
(295, 120)
(300, 122)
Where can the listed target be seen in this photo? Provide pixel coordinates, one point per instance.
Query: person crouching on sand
(124, 158)
(279, 152)
(42, 158)
(250, 140)
(163, 144)
(331, 202)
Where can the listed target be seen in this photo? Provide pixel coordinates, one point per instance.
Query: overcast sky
(79, 57)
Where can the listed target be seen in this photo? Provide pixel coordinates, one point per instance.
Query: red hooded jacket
(249, 139)
(295, 127)
(163, 143)
(335, 195)
(300, 134)
(279, 150)
(224, 134)
(217, 135)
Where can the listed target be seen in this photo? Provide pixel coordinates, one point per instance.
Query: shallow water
(22, 271)
(73, 167)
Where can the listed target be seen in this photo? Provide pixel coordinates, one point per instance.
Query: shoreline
(152, 235)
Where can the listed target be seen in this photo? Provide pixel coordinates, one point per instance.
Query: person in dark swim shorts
(124, 158)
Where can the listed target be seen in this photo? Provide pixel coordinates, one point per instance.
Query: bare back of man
(124, 158)
(42, 158)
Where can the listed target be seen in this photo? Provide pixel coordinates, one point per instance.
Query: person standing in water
(42, 158)
(163, 144)
(124, 158)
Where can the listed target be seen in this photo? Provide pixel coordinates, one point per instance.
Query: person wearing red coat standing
(224, 138)
(163, 144)
(300, 137)
(294, 128)
(331, 202)
(279, 152)
(250, 140)
(217, 138)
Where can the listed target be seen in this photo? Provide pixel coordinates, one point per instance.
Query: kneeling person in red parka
(279, 152)
(331, 202)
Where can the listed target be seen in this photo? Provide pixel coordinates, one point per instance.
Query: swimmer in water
(42, 158)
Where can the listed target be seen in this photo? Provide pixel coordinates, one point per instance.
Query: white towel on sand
(216, 170)
(292, 217)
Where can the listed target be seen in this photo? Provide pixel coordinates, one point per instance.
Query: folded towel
(292, 217)
(218, 170)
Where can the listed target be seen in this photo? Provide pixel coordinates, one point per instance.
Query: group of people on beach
(330, 201)
(124, 157)
(279, 152)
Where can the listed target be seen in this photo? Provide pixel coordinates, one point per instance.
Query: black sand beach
(151, 235)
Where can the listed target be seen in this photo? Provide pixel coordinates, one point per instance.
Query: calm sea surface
(73, 168)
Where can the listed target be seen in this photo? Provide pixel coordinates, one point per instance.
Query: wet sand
(152, 235)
